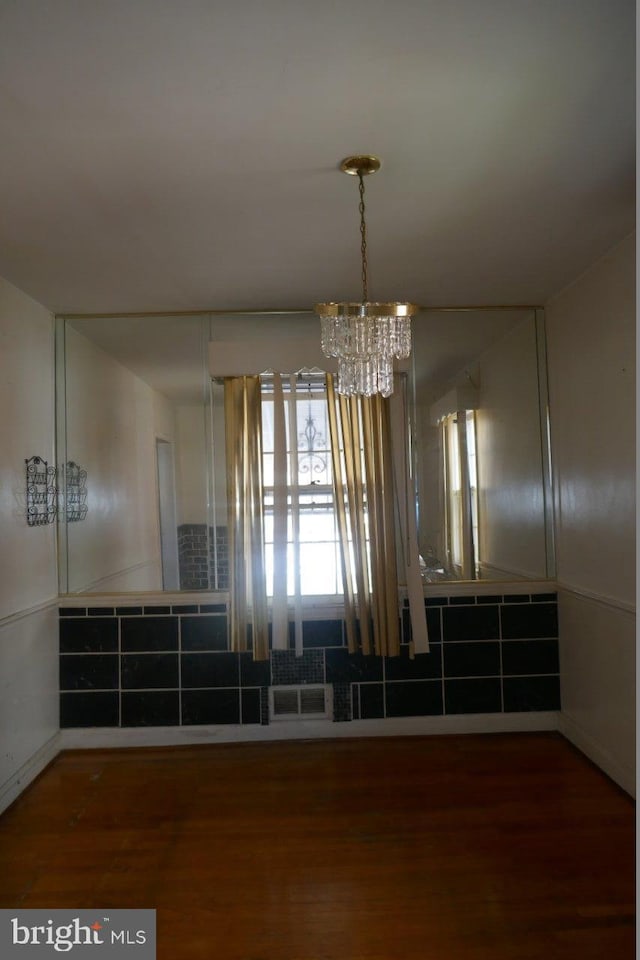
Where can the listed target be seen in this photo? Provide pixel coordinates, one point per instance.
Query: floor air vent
(300, 703)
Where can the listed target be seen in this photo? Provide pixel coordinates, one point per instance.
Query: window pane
(311, 490)
(267, 469)
(317, 527)
(314, 456)
(268, 528)
(268, 567)
(267, 425)
(315, 498)
(318, 568)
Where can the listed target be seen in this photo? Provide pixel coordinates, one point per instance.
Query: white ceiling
(182, 154)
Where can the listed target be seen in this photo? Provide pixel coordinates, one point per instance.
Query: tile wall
(203, 557)
(170, 665)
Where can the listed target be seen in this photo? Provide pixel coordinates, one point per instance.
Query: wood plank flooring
(508, 847)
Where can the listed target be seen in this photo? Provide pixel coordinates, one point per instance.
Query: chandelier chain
(363, 242)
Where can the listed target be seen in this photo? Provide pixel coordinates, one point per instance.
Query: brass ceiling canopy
(366, 336)
(360, 166)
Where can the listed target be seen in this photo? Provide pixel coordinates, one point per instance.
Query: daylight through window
(310, 497)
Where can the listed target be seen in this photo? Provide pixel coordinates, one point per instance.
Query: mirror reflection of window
(461, 493)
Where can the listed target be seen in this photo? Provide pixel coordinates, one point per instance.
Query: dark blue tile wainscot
(531, 620)
(370, 699)
(286, 668)
(144, 671)
(473, 695)
(160, 665)
(322, 633)
(529, 657)
(470, 623)
(344, 667)
(150, 708)
(211, 706)
(413, 698)
(210, 670)
(254, 673)
(342, 702)
(531, 693)
(472, 659)
(89, 636)
(250, 705)
(204, 633)
(100, 709)
(93, 671)
(141, 634)
(424, 666)
(434, 625)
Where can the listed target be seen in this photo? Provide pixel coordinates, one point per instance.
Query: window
(315, 551)
(296, 531)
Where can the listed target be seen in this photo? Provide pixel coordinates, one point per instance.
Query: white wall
(113, 419)
(28, 573)
(28, 579)
(591, 347)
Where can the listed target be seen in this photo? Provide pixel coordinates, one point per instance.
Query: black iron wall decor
(41, 492)
(75, 492)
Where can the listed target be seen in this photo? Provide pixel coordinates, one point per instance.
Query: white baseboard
(81, 739)
(623, 775)
(20, 780)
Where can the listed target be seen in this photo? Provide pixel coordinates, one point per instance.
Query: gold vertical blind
(245, 499)
(364, 493)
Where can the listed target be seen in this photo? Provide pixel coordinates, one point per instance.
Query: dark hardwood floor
(508, 847)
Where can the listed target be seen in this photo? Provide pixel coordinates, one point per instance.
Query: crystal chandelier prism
(365, 337)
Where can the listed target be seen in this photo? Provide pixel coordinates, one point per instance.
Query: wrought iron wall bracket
(41, 492)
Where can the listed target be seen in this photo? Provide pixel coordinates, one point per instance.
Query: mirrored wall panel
(133, 416)
(482, 445)
(141, 468)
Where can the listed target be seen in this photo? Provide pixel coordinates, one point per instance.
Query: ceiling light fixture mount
(360, 166)
(365, 337)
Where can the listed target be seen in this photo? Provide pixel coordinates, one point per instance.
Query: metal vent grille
(292, 703)
(285, 702)
(312, 701)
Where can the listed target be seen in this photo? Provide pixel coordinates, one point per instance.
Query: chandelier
(365, 337)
